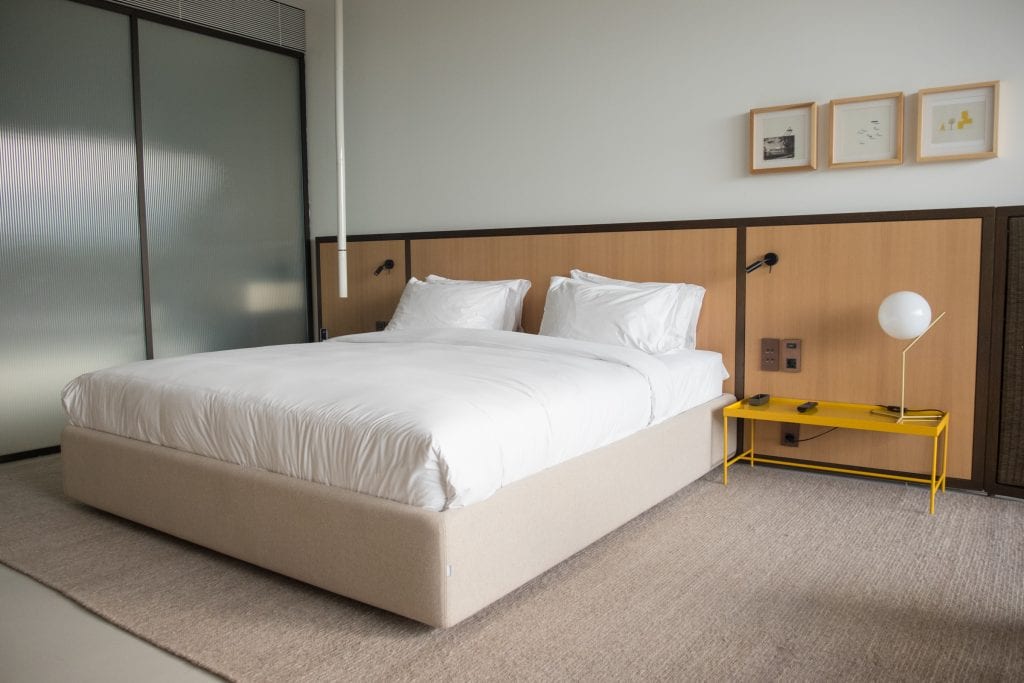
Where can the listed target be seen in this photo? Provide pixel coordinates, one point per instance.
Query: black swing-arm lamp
(769, 259)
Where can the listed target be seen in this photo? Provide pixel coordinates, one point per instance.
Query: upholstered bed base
(434, 567)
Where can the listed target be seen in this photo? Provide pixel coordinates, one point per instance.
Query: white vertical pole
(339, 115)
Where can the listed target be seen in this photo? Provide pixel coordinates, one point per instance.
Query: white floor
(46, 637)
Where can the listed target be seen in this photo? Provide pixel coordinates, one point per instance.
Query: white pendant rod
(339, 115)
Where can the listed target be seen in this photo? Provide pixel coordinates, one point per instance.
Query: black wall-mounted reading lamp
(769, 259)
(387, 265)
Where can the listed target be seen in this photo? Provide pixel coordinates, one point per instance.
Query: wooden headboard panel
(701, 256)
(826, 291)
(371, 298)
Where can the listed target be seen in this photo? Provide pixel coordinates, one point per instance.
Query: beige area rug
(781, 575)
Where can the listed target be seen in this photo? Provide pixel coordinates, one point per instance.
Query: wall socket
(790, 434)
(769, 355)
(792, 359)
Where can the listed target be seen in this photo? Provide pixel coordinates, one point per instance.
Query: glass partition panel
(70, 275)
(224, 202)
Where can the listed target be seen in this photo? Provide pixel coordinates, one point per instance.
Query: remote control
(807, 407)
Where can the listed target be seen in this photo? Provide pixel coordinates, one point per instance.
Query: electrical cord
(896, 409)
(812, 438)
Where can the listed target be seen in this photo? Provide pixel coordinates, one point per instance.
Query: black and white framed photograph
(866, 131)
(958, 122)
(784, 138)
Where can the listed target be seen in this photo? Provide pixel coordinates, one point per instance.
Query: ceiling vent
(266, 21)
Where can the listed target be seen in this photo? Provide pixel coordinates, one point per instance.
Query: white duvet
(436, 419)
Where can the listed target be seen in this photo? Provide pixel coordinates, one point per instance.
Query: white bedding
(437, 419)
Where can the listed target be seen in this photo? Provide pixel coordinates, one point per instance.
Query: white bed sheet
(437, 419)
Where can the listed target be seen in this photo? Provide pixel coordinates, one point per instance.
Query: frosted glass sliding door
(70, 273)
(222, 153)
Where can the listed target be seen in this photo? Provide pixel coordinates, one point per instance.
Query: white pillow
(519, 288)
(429, 306)
(611, 314)
(687, 310)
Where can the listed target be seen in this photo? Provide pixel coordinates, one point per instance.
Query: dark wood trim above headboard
(688, 224)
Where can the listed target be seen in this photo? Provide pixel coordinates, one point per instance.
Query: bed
(198, 447)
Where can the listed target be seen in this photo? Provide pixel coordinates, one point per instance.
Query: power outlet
(790, 434)
(792, 350)
(769, 355)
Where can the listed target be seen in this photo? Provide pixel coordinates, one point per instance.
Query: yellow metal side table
(845, 416)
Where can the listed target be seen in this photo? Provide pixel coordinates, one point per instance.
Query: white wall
(498, 113)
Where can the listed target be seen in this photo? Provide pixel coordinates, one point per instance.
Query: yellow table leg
(945, 453)
(935, 462)
(725, 450)
(752, 423)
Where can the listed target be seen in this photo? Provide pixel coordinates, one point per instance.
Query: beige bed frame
(435, 567)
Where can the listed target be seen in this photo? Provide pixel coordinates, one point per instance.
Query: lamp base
(909, 415)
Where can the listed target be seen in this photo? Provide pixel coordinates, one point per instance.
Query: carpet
(781, 575)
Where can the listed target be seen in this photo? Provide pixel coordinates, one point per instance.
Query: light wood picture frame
(958, 122)
(866, 131)
(784, 138)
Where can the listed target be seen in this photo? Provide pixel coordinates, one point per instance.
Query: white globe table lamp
(906, 315)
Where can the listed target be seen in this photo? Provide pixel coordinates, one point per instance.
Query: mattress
(435, 419)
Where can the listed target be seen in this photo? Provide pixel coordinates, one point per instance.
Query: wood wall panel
(370, 297)
(702, 256)
(826, 291)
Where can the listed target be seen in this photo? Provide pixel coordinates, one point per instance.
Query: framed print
(784, 138)
(866, 131)
(958, 122)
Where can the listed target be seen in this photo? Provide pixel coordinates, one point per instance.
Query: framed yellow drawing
(958, 122)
